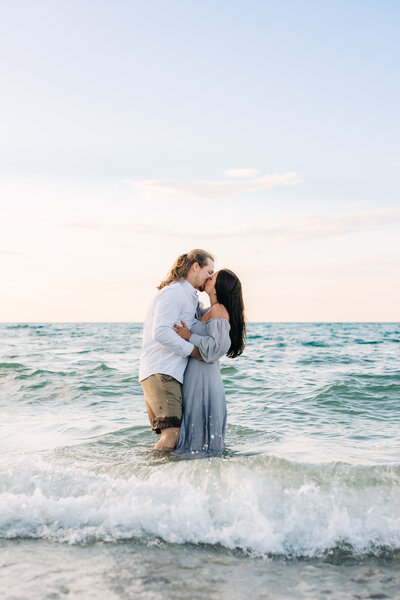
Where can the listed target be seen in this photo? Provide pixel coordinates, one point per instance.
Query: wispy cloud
(12, 252)
(278, 231)
(241, 172)
(304, 227)
(210, 191)
(128, 227)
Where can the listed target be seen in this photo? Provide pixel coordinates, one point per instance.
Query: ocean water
(304, 503)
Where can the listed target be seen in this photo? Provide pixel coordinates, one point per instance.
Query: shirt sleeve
(200, 310)
(213, 346)
(166, 313)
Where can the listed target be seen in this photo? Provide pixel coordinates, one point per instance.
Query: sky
(267, 133)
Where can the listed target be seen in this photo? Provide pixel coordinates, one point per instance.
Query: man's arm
(196, 354)
(166, 314)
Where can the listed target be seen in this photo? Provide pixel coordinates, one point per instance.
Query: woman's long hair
(181, 266)
(229, 293)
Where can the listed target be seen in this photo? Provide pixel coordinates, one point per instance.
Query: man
(164, 354)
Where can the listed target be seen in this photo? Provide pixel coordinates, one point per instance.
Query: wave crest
(260, 504)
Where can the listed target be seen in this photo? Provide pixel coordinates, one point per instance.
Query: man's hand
(196, 353)
(183, 331)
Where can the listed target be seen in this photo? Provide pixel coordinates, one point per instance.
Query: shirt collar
(190, 290)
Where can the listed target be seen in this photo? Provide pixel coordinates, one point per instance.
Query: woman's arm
(211, 347)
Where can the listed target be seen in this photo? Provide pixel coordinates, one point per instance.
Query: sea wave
(262, 505)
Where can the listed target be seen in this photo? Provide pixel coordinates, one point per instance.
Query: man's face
(209, 287)
(203, 274)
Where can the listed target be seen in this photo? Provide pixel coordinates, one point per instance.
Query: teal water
(308, 489)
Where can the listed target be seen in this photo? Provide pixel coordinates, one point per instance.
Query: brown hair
(181, 266)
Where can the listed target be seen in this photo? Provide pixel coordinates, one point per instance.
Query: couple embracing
(182, 344)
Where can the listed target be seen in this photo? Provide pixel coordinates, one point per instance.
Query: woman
(220, 331)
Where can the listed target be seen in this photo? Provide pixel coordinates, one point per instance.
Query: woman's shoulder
(218, 311)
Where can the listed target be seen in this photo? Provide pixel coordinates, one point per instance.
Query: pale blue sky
(98, 99)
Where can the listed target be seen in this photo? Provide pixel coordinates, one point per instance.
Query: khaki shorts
(163, 396)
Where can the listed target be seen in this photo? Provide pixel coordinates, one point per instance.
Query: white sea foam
(258, 504)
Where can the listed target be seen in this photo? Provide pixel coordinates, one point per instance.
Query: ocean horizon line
(141, 322)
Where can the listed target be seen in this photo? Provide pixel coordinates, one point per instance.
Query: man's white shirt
(163, 351)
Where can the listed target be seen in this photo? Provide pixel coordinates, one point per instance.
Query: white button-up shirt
(163, 351)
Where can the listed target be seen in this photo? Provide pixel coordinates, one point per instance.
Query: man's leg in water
(163, 396)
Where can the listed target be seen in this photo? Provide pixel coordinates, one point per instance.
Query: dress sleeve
(216, 344)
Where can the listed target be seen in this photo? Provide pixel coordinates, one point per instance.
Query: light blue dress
(203, 425)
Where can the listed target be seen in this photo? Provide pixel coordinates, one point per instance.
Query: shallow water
(305, 502)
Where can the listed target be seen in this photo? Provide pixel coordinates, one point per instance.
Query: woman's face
(209, 287)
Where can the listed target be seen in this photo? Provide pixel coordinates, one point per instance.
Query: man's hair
(181, 266)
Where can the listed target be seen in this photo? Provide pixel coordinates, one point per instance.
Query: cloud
(12, 252)
(128, 227)
(241, 173)
(279, 231)
(214, 190)
(305, 227)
